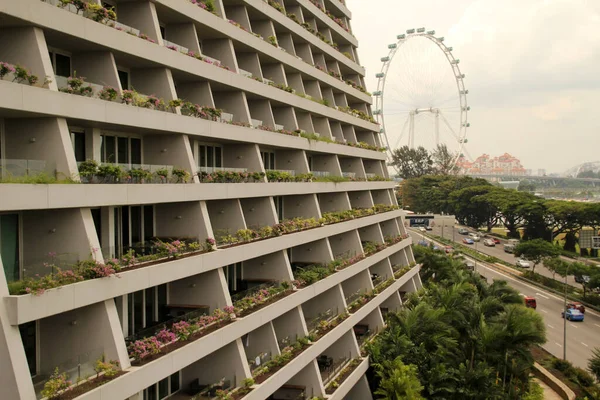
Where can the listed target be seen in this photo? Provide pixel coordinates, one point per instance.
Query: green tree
(594, 363)
(398, 381)
(412, 163)
(556, 265)
(535, 251)
(583, 274)
(444, 160)
(526, 186)
(472, 209)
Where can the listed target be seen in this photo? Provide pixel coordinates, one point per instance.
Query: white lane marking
(481, 264)
(559, 345)
(573, 326)
(584, 344)
(544, 311)
(551, 327)
(597, 325)
(541, 295)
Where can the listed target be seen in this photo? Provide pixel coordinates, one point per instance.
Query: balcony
(27, 171)
(175, 47)
(105, 173)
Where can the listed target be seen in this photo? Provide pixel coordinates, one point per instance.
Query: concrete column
(399, 258)
(202, 289)
(336, 130)
(317, 252)
(156, 81)
(222, 50)
(14, 371)
(331, 301)
(264, 28)
(242, 156)
(313, 89)
(286, 42)
(292, 160)
(285, 116)
(310, 378)
(250, 62)
(272, 266)
(371, 233)
(349, 133)
(295, 81)
(355, 165)
(258, 212)
(184, 35)
(322, 127)
(45, 139)
(344, 347)
(226, 217)
(239, 14)
(391, 304)
(97, 67)
(346, 244)
(381, 197)
(289, 327)
(359, 283)
(233, 103)
(26, 46)
(142, 16)
(327, 94)
(326, 162)
(274, 72)
(361, 199)
(360, 391)
(374, 320)
(341, 100)
(330, 202)
(365, 137)
(319, 59)
(261, 110)
(389, 228)
(180, 220)
(382, 268)
(374, 167)
(196, 92)
(304, 121)
(260, 340)
(303, 206)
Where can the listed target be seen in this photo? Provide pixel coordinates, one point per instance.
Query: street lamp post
(565, 317)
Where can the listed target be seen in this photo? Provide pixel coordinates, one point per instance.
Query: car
(530, 302)
(423, 243)
(489, 243)
(496, 240)
(463, 231)
(509, 248)
(422, 229)
(572, 315)
(577, 306)
(475, 237)
(468, 241)
(523, 263)
(428, 228)
(448, 249)
(470, 265)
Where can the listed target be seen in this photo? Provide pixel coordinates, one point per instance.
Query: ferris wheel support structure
(459, 132)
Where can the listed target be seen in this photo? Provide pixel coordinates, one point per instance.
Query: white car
(423, 229)
(475, 237)
(523, 263)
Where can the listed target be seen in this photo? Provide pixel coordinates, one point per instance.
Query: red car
(496, 240)
(577, 306)
(448, 249)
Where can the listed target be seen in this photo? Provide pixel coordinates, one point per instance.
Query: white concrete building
(194, 189)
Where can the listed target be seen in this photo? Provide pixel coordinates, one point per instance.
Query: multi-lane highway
(451, 233)
(582, 337)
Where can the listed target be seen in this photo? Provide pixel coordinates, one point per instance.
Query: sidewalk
(549, 394)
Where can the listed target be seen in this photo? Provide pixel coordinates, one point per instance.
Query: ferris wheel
(421, 98)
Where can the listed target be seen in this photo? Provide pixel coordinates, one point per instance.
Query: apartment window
(29, 337)
(233, 276)
(61, 63)
(9, 246)
(123, 79)
(163, 388)
(268, 159)
(279, 206)
(147, 308)
(78, 142)
(97, 217)
(310, 163)
(163, 32)
(134, 226)
(209, 155)
(120, 150)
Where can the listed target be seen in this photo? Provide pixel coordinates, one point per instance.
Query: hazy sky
(532, 66)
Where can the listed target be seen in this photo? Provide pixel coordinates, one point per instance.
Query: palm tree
(594, 363)
(398, 381)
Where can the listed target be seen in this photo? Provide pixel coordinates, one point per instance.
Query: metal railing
(63, 83)
(11, 168)
(320, 174)
(259, 360)
(369, 175)
(354, 296)
(363, 339)
(288, 171)
(210, 170)
(250, 291)
(313, 323)
(47, 265)
(209, 391)
(153, 169)
(77, 368)
(152, 330)
(175, 46)
(328, 373)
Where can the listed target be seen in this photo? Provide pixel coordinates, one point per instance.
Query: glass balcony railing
(11, 169)
(313, 323)
(131, 173)
(330, 367)
(351, 175)
(283, 171)
(258, 360)
(210, 170)
(63, 84)
(78, 367)
(175, 46)
(369, 176)
(321, 174)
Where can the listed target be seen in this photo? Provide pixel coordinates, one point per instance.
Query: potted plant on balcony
(140, 175)
(110, 173)
(88, 170)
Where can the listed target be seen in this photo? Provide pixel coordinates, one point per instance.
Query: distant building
(486, 165)
(541, 172)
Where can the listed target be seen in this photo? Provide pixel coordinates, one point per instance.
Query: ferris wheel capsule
(410, 31)
(385, 59)
(377, 93)
(450, 48)
(467, 125)
(466, 108)
(456, 61)
(441, 39)
(431, 33)
(379, 75)
(400, 37)
(420, 30)
(464, 92)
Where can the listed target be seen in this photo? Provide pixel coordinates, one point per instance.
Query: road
(582, 337)
(497, 251)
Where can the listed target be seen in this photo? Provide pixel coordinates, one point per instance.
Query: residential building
(505, 165)
(195, 191)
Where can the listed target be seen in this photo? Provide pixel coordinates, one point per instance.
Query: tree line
(457, 338)
(477, 203)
